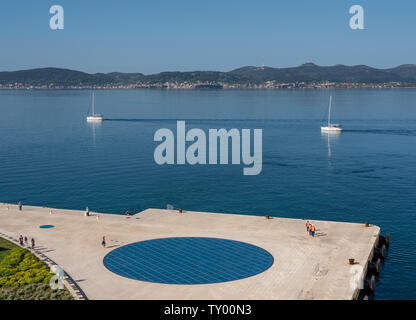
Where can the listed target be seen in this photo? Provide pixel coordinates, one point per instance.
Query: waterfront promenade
(303, 268)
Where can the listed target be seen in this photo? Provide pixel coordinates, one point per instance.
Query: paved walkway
(304, 267)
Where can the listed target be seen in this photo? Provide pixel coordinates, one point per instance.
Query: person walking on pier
(26, 241)
(313, 231)
(20, 205)
(103, 242)
(21, 240)
(310, 229)
(33, 243)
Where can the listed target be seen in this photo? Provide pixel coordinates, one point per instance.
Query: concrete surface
(304, 267)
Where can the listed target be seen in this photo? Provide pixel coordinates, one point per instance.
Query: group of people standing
(310, 229)
(24, 242)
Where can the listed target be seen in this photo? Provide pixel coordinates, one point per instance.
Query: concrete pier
(304, 267)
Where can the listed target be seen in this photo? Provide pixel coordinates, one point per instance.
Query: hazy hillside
(56, 76)
(340, 73)
(308, 72)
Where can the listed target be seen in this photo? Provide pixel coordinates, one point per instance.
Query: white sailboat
(331, 127)
(94, 117)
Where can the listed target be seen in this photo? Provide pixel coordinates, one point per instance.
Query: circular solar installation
(47, 226)
(190, 260)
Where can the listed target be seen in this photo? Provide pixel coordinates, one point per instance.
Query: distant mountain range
(307, 73)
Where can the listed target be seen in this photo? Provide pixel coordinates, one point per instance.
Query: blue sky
(155, 35)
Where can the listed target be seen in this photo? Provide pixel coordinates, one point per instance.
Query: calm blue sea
(50, 156)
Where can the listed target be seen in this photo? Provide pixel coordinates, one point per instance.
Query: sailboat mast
(93, 112)
(329, 112)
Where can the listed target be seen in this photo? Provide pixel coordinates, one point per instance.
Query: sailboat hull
(331, 129)
(95, 119)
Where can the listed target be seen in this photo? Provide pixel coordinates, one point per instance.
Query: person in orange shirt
(313, 231)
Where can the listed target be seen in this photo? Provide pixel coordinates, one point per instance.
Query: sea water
(50, 156)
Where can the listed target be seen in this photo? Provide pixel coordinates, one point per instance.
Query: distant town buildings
(212, 85)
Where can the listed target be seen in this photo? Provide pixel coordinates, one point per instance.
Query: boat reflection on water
(330, 138)
(94, 126)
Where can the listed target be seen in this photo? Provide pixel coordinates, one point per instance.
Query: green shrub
(5, 248)
(24, 277)
(21, 267)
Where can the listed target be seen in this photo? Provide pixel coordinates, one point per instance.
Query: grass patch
(34, 291)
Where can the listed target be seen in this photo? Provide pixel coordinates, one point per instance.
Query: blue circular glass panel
(47, 226)
(188, 260)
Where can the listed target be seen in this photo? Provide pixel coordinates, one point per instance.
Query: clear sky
(150, 36)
